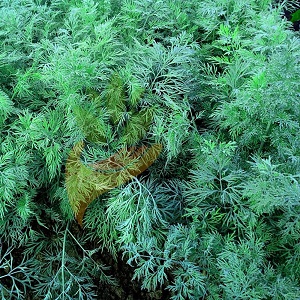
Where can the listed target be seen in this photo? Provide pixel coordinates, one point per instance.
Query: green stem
(63, 261)
(268, 129)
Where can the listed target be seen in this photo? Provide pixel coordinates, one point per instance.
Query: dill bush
(216, 83)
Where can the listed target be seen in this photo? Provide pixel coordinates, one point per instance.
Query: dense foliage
(216, 83)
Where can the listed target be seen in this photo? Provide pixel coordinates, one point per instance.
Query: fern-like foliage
(14, 279)
(186, 116)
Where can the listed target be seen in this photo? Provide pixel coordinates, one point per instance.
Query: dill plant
(216, 216)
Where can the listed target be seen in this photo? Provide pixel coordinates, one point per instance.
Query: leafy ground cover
(216, 214)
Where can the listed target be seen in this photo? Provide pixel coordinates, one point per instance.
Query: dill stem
(63, 260)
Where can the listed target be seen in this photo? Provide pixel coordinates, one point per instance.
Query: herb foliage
(217, 83)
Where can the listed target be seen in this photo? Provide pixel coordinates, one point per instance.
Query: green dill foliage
(69, 269)
(14, 279)
(214, 83)
(213, 195)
